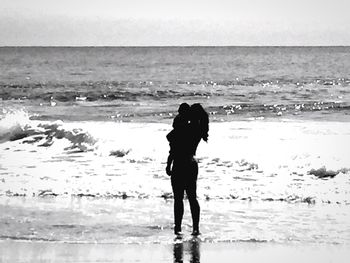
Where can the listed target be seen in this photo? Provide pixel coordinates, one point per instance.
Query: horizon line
(165, 46)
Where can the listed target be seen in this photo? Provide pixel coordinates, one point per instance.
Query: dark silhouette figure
(180, 123)
(194, 250)
(178, 250)
(181, 164)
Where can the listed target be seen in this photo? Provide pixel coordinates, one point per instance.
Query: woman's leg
(191, 191)
(178, 191)
(195, 211)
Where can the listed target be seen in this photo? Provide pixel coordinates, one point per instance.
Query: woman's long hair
(200, 119)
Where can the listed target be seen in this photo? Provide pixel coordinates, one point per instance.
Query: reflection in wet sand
(192, 248)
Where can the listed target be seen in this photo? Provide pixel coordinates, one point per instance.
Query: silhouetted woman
(183, 167)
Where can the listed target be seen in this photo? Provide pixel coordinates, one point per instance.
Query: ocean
(83, 147)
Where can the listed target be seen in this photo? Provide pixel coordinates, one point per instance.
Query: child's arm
(176, 121)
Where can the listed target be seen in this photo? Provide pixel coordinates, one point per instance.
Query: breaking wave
(16, 125)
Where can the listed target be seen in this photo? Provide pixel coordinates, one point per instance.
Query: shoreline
(14, 251)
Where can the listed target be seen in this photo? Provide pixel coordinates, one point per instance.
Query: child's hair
(182, 119)
(184, 108)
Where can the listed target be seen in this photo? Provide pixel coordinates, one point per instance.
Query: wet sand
(14, 251)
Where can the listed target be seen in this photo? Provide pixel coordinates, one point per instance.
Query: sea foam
(271, 161)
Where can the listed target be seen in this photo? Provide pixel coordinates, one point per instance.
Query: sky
(174, 22)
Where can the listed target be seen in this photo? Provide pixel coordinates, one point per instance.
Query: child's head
(184, 109)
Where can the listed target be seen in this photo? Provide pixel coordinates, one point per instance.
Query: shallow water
(132, 221)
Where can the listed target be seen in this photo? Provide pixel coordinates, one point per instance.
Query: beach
(242, 252)
(83, 153)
